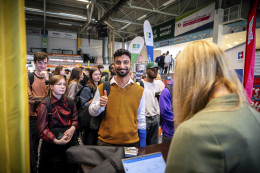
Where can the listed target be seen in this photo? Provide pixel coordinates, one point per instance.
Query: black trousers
(34, 144)
(53, 157)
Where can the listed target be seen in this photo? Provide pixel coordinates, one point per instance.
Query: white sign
(136, 45)
(236, 56)
(148, 33)
(194, 20)
(56, 34)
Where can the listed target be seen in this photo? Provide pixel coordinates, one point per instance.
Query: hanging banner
(164, 31)
(148, 36)
(250, 50)
(44, 41)
(236, 56)
(66, 35)
(194, 20)
(135, 48)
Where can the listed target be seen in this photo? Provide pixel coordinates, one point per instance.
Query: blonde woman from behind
(216, 129)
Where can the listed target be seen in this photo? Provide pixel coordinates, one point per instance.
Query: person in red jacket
(57, 128)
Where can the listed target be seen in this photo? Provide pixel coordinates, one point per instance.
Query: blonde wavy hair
(200, 68)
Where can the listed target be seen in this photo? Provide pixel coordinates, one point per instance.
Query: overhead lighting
(142, 17)
(235, 42)
(124, 26)
(168, 2)
(67, 24)
(226, 37)
(83, 1)
(240, 39)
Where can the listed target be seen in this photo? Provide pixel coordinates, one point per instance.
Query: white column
(218, 27)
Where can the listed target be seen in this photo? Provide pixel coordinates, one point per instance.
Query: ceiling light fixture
(168, 2)
(125, 26)
(83, 1)
(235, 42)
(67, 24)
(142, 17)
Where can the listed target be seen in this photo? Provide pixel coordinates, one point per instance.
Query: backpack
(157, 59)
(86, 120)
(170, 88)
(161, 62)
(141, 83)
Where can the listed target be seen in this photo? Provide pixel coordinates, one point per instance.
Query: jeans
(34, 144)
(152, 130)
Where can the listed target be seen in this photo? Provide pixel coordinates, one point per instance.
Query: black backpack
(170, 88)
(86, 120)
(157, 59)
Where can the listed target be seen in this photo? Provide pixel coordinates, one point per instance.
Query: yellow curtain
(14, 125)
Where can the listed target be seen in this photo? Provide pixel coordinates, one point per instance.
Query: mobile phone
(60, 136)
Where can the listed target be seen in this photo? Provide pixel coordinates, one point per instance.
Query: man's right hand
(103, 99)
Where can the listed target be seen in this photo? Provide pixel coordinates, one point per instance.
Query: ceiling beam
(109, 13)
(125, 21)
(151, 10)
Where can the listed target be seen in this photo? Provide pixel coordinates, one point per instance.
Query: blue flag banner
(148, 35)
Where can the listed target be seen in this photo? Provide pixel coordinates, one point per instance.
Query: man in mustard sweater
(124, 123)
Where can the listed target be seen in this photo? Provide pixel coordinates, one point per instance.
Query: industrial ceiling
(124, 17)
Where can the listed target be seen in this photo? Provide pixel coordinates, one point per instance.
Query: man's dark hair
(100, 66)
(88, 69)
(110, 66)
(82, 68)
(40, 56)
(121, 52)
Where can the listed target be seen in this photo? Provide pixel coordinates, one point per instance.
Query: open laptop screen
(150, 163)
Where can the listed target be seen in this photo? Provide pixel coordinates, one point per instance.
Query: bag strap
(71, 103)
(106, 86)
(141, 83)
(31, 79)
(106, 77)
(48, 103)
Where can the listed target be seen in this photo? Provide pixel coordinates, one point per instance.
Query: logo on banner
(250, 33)
(179, 24)
(148, 34)
(196, 20)
(241, 55)
(136, 46)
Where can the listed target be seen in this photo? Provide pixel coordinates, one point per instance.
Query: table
(163, 148)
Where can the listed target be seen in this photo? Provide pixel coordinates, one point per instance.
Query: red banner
(250, 50)
(256, 94)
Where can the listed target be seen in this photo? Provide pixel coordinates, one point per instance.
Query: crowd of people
(202, 111)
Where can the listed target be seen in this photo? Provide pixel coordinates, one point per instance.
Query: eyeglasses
(61, 84)
(97, 74)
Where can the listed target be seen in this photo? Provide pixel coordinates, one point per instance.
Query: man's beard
(113, 73)
(151, 77)
(122, 74)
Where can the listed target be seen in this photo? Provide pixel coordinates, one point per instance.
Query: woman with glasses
(89, 137)
(57, 128)
(74, 82)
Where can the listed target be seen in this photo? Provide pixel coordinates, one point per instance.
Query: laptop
(148, 163)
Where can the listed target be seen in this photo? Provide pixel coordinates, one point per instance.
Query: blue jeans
(152, 130)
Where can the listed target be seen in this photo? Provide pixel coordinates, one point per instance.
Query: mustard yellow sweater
(119, 126)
